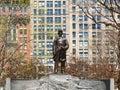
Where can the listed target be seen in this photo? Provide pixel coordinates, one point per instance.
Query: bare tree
(108, 18)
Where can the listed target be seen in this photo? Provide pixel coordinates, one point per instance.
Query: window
(98, 18)
(49, 44)
(41, 20)
(74, 51)
(73, 17)
(25, 38)
(74, 43)
(35, 3)
(74, 26)
(106, 10)
(58, 11)
(93, 26)
(41, 28)
(118, 17)
(94, 34)
(80, 34)
(41, 36)
(49, 4)
(64, 27)
(85, 42)
(35, 11)
(98, 26)
(85, 18)
(80, 51)
(25, 31)
(57, 3)
(49, 11)
(85, 34)
(25, 46)
(41, 3)
(41, 44)
(49, 27)
(64, 12)
(80, 18)
(73, 34)
(80, 42)
(64, 19)
(21, 31)
(49, 52)
(85, 51)
(80, 26)
(41, 11)
(93, 10)
(73, 9)
(94, 51)
(58, 19)
(41, 52)
(73, 1)
(50, 36)
(64, 3)
(49, 19)
(85, 26)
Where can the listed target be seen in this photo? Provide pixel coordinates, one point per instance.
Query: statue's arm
(66, 45)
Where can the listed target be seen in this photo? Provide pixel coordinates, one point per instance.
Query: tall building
(88, 41)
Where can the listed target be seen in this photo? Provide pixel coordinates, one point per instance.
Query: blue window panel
(80, 18)
(64, 35)
(80, 51)
(73, 9)
(85, 51)
(64, 12)
(35, 11)
(98, 26)
(80, 26)
(85, 34)
(74, 26)
(80, 34)
(85, 18)
(85, 26)
(73, 17)
(49, 19)
(49, 11)
(57, 3)
(85, 42)
(74, 43)
(58, 11)
(49, 4)
(80, 42)
(93, 26)
(64, 27)
(73, 34)
(64, 3)
(58, 19)
(73, 1)
(98, 18)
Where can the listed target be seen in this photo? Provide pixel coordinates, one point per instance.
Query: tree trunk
(118, 56)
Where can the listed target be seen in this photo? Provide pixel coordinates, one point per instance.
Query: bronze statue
(60, 46)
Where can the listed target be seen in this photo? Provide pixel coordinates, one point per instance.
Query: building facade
(19, 33)
(89, 41)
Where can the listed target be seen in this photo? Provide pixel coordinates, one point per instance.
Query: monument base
(58, 82)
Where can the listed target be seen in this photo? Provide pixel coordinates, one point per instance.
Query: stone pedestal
(59, 82)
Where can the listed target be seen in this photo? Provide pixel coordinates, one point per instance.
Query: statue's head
(60, 33)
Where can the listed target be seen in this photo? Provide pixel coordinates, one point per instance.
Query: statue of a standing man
(60, 47)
